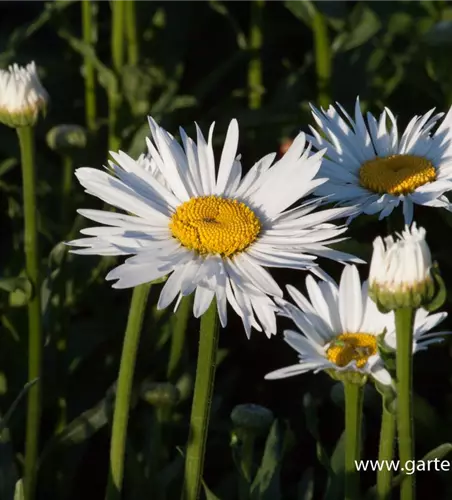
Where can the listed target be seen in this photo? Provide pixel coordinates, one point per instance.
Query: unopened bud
(22, 96)
(66, 138)
(253, 418)
(401, 271)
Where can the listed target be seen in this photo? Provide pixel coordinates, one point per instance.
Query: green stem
(404, 319)
(124, 390)
(133, 50)
(35, 335)
(66, 188)
(114, 102)
(323, 59)
(90, 79)
(386, 454)
(255, 80)
(117, 34)
(202, 398)
(178, 337)
(353, 417)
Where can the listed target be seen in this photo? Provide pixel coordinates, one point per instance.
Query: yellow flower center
(214, 225)
(396, 174)
(352, 346)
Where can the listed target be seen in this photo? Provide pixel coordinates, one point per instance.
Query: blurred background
(261, 62)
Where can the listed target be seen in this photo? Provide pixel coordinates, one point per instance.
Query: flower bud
(253, 418)
(22, 96)
(66, 138)
(401, 271)
(160, 394)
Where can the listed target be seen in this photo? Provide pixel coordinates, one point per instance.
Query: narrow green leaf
(4, 421)
(334, 489)
(82, 427)
(266, 484)
(19, 493)
(306, 485)
(209, 493)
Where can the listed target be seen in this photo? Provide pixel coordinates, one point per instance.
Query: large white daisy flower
(211, 233)
(340, 326)
(370, 165)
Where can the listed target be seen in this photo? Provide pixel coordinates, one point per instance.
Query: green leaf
(334, 489)
(303, 10)
(266, 484)
(311, 416)
(26, 31)
(19, 493)
(82, 427)
(441, 290)
(222, 9)
(439, 452)
(20, 283)
(209, 494)
(107, 78)
(364, 25)
(306, 485)
(20, 290)
(7, 165)
(4, 421)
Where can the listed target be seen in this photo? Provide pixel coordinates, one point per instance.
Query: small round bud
(66, 138)
(22, 96)
(160, 394)
(251, 417)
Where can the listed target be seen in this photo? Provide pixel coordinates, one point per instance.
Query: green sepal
(386, 353)
(350, 376)
(441, 292)
(389, 397)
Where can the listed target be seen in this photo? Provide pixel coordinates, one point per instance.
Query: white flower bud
(22, 96)
(400, 270)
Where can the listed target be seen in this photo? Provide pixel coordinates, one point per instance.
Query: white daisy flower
(211, 233)
(22, 95)
(371, 166)
(340, 326)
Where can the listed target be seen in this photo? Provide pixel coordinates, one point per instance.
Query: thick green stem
(323, 59)
(35, 336)
(88, 26)
(404, 319)
(178, 337)
(353, 417)
(118, 10)
(124, 390)
(255, 80)
(133, 50)
(202, 399)
(386, 454)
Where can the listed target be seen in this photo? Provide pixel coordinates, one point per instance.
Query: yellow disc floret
(396, 174)
(214, 225)
(349, 347)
